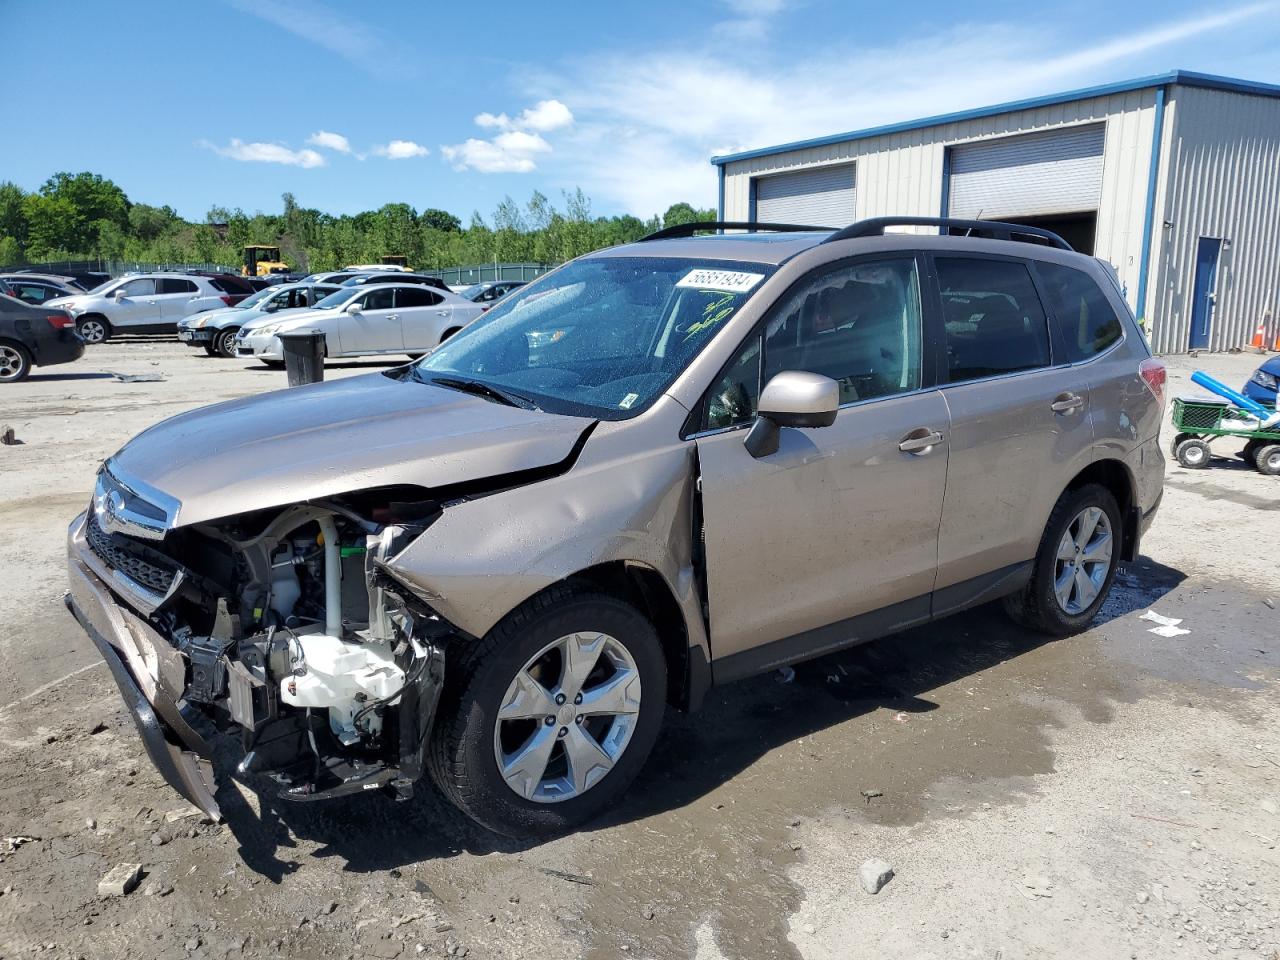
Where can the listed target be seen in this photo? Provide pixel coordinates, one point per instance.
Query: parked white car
(365, 321)
(148, 303)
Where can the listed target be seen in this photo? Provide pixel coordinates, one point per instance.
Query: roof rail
(996, 229)
(689, 229)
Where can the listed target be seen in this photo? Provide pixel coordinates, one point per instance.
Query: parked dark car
(490, 290)
(34, 336)
(34, 292)
(1262, 385)
(236, 287)
(364, 279)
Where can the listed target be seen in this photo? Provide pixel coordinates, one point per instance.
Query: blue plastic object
(1239, 399)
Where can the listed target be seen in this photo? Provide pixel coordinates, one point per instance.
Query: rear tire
(93, 329)
(15, 362)
(539, 793)
(1089, 514)
(1267, 460)
(209, 350)
(449, 333)
(1193, 454)
(1250, 452)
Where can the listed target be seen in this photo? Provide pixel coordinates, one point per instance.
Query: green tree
(440, 220)
(10, 251)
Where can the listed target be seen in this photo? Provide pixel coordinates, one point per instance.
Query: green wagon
(1200, 421)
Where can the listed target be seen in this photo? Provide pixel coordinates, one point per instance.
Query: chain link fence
(483, 272)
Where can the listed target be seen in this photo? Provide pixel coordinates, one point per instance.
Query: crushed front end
(285, 627)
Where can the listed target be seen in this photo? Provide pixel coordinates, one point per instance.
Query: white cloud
(400, 150)
(509, 152)
(330, 141)
(750, 19)
(514, 149)
(258, 152)
(646, 122)
(347, 36)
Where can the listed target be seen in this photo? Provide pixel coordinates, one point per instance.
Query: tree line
(84, 216)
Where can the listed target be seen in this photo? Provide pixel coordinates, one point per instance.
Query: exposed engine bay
(297, 637)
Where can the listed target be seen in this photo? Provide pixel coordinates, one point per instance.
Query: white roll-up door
(823, 197)
(1057, 171)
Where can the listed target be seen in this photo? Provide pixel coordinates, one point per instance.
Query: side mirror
(354, 308)
(119, 293)
(793, 398)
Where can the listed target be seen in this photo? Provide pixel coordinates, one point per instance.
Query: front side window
(141, 287)
(1085, 319)
(994, 321)
(338, 298)
(602, 337)
(379, 299)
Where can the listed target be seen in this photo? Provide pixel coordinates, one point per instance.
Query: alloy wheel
(13, 365)
(567, 717)
(92, 331)
(1083, 560)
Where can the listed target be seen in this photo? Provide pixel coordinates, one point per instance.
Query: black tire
(1267, 460)
(224, 342)
(15, 362)
(209, 350)
(462, 757)
(93, 328)
(1036, 606)
(1193, 454)
(273, 364)
(1250, 452)
(449, 333)
(1173, 444)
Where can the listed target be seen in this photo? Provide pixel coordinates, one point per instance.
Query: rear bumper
(151, 676)
(64, 349)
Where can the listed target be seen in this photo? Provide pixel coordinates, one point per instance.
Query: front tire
(93, 329)
(1193, 454)
(1267, 460)
(15, 362)
(273, 364)
(547, 720)
(224, 343)
(1075, 565)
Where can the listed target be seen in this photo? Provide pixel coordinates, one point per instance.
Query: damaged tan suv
(663, 466)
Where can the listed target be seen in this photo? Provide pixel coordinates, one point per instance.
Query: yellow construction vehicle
(261, 260)
(395, 260)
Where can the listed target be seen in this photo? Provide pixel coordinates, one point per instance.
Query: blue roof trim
(1185, 78)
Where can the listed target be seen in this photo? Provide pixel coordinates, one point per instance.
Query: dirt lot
(1111, 795)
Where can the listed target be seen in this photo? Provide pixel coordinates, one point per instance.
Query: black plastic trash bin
(303, 356)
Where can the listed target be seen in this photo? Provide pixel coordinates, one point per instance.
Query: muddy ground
(1110, 795)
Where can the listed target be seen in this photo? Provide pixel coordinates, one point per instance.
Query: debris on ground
(136, 377)
(874, 874)
(870, 795)
(7, 436)
(1168, 626)
(1034, 887)
(120, 880)
(571, 877)
(13, 843)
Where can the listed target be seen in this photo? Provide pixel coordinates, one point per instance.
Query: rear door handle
(1066, 402)
(920, 441)
(442, 313)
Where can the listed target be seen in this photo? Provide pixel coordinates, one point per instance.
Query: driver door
(834, 537)
(138, 303)
(376, 328)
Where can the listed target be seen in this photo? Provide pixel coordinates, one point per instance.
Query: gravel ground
(1111, 795)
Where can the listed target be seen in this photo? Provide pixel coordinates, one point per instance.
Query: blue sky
(353, 105)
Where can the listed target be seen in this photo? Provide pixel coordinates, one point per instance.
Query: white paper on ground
(1157, 618)
(1168, 630)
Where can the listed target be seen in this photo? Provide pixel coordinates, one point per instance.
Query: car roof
(766, 248)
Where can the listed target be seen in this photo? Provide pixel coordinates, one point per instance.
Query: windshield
(601, 337)
(336, 299)
(248, 303)
(468, 292)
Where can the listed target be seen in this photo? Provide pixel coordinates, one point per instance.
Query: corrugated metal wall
(901, 173)
(1221, 173)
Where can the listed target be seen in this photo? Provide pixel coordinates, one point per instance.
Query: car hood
(312, 442)
(207, 315)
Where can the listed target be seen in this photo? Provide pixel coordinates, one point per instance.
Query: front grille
(135, 561)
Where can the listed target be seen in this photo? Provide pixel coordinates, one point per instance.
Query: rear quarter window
(1086, 322)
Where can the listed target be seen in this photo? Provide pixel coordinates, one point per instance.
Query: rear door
(179, 297)
(841, 521)
(1019, 422)
(423, 317)
(376, 328)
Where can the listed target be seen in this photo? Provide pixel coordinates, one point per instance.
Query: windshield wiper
(486, 390)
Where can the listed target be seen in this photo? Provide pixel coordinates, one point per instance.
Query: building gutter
(1148, 222)
(720, 200)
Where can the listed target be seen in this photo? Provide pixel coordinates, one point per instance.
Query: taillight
(226, 299)
(1153, 375)
(60, 321)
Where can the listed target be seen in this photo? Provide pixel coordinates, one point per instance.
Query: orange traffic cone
(1276, 345)
(1260, 336)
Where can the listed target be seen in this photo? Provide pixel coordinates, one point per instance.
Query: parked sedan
(215, 330)
(34, 292)
(365, 321)
(149, 303)
(1262, 385)
(32, 336)
(365, 279)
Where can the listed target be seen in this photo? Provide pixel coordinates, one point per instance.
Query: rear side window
(1084, 317)
(994, 321)
(175, 285)
(416, 297)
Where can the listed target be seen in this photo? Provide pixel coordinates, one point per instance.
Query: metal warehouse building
(1174, 179)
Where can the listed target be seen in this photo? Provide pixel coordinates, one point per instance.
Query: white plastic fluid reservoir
(343, 678)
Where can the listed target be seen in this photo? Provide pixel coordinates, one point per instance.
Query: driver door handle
(1066, 402)
(920, 442)
(393, 316)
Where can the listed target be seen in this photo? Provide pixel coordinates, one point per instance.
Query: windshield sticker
(626, 402)
(730, 280)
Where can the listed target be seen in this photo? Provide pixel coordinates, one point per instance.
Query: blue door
(1206, 282)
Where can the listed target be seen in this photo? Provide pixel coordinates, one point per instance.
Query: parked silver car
(146, 303)
(727, 453)
(216, 330)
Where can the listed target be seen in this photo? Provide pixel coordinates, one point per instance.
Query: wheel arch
(1116, 477)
